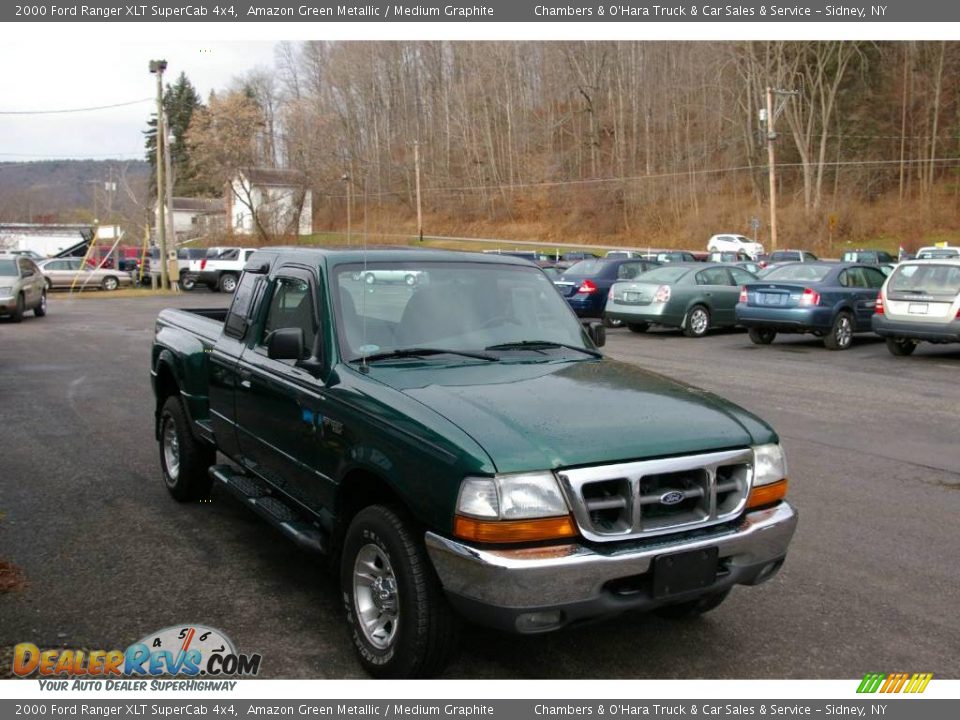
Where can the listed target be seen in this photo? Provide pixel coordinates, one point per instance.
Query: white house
(279, 201)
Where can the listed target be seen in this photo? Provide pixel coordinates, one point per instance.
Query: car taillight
(878, 307)
(743, 294)
(587, 287)
(662, 295)
(203, 263)
(610, 294)
(810, 297)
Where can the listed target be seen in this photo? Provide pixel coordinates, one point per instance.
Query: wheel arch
(361, 487)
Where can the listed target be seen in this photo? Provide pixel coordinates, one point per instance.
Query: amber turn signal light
(767, 494)
(513, 531)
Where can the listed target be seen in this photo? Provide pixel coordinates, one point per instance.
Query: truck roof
(351, 255)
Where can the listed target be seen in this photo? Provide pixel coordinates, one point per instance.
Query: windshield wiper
(423, 352)
(537, 344)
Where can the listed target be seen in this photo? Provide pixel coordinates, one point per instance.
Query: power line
(73, 110)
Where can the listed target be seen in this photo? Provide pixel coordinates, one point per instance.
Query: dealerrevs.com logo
(189, 651)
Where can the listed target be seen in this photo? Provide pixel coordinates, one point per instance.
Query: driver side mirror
(285, 344)
(597, 333)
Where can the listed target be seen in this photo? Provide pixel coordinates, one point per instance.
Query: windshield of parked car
(8, 268)
(460, 306)
(926, 279)
(798, 271)
(665, 274)
(587, 268)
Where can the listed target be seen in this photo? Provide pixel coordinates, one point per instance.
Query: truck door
(279, 404)
(224, 357)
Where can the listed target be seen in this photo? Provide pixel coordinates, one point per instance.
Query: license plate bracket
(917, 308)
(684, 572)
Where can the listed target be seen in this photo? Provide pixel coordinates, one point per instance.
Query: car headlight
(6, 291)
(512, 508)
(769, 476)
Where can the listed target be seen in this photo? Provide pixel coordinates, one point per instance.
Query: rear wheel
(693, 608)
(840, 336)
(761, 336)
(110, 283)
(183, 459)
(697, 322)
(640, 327)
(399, 619)
(188, 282)
(228, 282)
(901, 346)
(41, 309)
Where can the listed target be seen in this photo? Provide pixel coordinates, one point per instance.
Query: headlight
(526, 507)
(512, 497)
(769, 464)
(769, 476)
(6, 291)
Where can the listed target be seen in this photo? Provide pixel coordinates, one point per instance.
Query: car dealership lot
(108, 556)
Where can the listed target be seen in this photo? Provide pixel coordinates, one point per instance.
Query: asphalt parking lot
(107, 556)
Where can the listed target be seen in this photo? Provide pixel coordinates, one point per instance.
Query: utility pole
(157, 67)
(346, 179)
(416, 165)
(771, 169)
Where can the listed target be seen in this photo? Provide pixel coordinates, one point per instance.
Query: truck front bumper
(531, 590)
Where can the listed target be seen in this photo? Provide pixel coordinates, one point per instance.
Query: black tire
(188, 480)
(697, 322)
(901, 347)
(693, 608)
(228, 283)
(41, 309)
(840, 336)
(761, 336)
(17, 314)
(188, 283)
(640, 327)
(110, 283)
(419, 630)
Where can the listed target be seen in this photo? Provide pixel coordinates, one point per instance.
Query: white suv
(735, 243)
(919, 301)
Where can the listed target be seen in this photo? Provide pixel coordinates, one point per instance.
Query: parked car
(935, 252)
(569, 259)
(920, 302)
(671, 256)
(728, 256)
(751, 267)
(185, 255)
(622, 254)
(735, 243)
(372, 277)
(72, 273)
(22, 287)
(461, 448)
(830, 300)
(586, 284)
(869, 257)
(785, 256)
(32, 254)
(219, 270)
(691, 296)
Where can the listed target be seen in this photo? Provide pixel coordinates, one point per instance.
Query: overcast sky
(91, 72)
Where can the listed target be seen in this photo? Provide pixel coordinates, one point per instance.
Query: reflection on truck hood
(531, 416)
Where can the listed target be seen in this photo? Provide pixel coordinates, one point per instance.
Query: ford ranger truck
(460, 448)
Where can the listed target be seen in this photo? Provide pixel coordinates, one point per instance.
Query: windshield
(587, 268)
(938, 254)
(666, 274)
(801, 271)
(926, 279)
(460, 306)
(8, 268)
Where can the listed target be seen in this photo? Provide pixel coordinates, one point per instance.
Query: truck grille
(653, 497)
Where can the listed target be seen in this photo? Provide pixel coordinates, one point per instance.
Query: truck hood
(547, 415)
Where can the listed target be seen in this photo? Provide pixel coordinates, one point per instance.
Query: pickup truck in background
(219, 270)
(460, 448)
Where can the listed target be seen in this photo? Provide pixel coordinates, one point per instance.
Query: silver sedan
(72, 273)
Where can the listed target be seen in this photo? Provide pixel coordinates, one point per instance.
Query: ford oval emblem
(671, 498)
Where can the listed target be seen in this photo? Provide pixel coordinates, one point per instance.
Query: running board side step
(256, 495)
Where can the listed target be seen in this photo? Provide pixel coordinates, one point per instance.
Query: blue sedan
(830, 300)
(586, 285)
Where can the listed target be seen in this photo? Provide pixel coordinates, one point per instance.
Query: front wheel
(228, 282)
(761, 336)
(188, 282)
(840, 336)
(17, 314)
(900, 346)
(697, 322)
(183, 459)
(399, 619)
(110, 283)
(41, 309)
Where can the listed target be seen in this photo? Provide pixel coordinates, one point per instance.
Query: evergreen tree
(180, 101)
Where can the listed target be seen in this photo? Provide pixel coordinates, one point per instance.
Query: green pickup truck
(451, 437)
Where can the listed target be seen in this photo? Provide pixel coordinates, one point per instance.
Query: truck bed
(205, 323)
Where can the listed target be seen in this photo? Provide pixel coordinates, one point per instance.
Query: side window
(844, 279)
(741, 277)
(809, 257)
(628, 271)
(712, 276)
(874, 278)
(25, 269)
(291, 306)
(239, 315)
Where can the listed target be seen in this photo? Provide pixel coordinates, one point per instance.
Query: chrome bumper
(499, 586)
